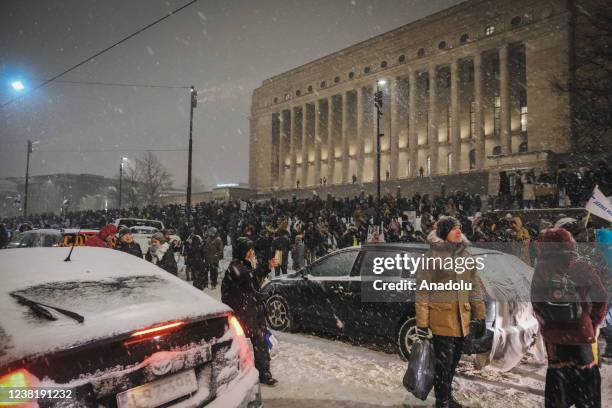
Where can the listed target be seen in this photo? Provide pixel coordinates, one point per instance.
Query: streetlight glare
(381, 82)
(18, 86)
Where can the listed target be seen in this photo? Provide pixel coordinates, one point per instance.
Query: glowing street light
(18, 86)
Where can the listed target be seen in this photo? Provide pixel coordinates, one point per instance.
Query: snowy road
(319, 372)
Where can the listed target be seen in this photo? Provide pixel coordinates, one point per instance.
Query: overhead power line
(118, 84)
(97, 54)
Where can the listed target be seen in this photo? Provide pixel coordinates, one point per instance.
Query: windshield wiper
(42, 309)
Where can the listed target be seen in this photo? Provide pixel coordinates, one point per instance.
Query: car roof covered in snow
(47, 231)
(115, 292)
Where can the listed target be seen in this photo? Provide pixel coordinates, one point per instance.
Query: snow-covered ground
(320, 372)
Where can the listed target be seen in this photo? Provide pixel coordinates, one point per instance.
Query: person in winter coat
(297, 253)
(161, 254)
(521, 240)
(212, 250)
(447, 313)
(241, 290)
(569, 301)
(195, 262)
(125, 243)
(104, 238)
(280, 247)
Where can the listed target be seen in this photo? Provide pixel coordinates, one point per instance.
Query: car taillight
(245, 360)
(17, 379)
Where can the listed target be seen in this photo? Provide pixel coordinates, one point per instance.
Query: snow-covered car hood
(115, 292)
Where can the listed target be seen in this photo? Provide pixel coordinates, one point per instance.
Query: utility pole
(27, 180)
(120, 182)
(193, 103)
(378, 102)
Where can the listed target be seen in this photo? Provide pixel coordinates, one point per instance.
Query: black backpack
(562, 302)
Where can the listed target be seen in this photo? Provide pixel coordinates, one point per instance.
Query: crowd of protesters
(265, 235)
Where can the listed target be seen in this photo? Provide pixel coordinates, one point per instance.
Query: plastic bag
(419, 375)
(272, 343)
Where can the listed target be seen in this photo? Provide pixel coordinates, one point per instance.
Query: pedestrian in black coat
(241, 290)
(195, 262)
(125, 243)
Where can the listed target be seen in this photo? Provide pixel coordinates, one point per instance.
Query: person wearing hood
(447, 313)
(569, 301)
(104, 238)
(125, 243)
(161, 254)
(195, 261)
(241, 290)
(212, 251)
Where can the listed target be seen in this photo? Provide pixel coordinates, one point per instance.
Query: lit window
(497, 116)
(524, 116)
(428, 165)
(489, 30)
(450, 162)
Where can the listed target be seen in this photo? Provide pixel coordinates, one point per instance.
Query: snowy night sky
(224, 48)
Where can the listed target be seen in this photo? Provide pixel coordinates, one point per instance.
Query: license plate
(159, 392)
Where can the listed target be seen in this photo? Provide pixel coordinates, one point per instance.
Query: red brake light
(235, 324)
(157, 329)
(15, 379)
(20, 378)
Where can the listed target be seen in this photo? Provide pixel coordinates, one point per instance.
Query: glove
(422, 333)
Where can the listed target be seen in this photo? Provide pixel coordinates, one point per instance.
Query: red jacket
(99, 240)
(592, 293)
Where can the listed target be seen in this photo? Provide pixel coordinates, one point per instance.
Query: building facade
(466, 90)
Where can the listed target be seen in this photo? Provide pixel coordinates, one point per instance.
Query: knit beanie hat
(445, 225)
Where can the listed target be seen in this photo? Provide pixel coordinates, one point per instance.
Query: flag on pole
(600, 205)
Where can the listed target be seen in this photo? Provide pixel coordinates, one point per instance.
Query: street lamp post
(378, 102)
(27, 180)
(123, 160)
(193, 104)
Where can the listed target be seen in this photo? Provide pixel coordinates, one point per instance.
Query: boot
(267, 379)
(453, 403)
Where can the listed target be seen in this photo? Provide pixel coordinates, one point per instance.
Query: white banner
(600, 205)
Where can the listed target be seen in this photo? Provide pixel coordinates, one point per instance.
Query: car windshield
(24, 240)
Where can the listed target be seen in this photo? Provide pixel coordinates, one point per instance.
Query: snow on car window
(83, 296)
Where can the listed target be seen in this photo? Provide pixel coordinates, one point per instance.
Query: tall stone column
(412, 130)
(360, 132)
(478, 133)
(504, 96)
(317, 142)
(432, 139)
(305, 136)
(281, 150)
(331, 154)
(374, 136)
(455, 137)
(345, 138)
(394, 99)
(292, 144)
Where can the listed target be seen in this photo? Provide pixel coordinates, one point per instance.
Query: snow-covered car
(36, 238)
(328, 296)
(117, 331)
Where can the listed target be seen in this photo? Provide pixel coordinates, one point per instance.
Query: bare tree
(153, 178)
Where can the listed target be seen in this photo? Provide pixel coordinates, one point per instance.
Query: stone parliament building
(467, 94)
